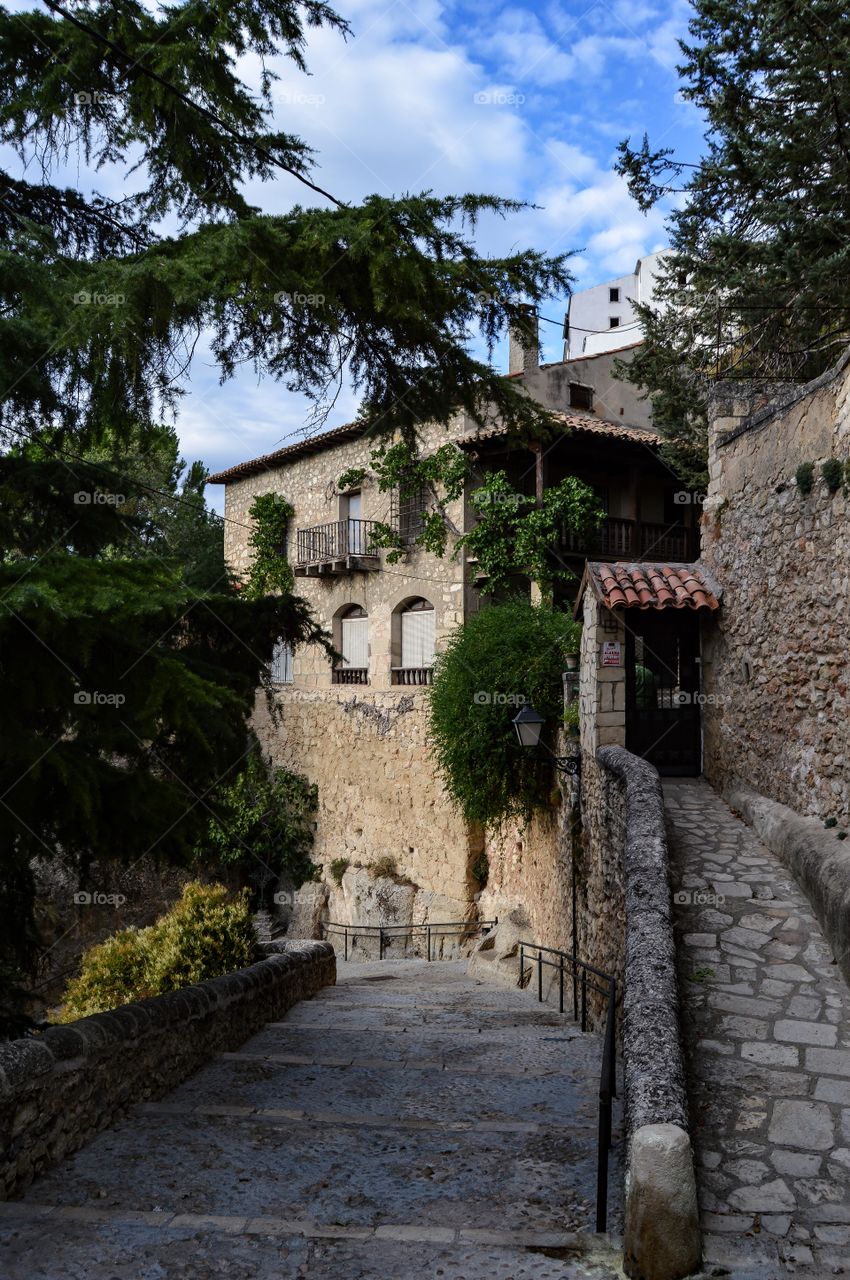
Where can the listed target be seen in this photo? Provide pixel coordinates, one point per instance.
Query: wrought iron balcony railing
(324, 543)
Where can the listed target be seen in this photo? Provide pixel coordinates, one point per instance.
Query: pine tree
(755, 287)
(127, 681)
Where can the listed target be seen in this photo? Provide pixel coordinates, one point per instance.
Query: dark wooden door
(663, 723)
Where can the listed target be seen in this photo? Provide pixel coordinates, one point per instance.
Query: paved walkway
(410, 1122)
(767, 1030)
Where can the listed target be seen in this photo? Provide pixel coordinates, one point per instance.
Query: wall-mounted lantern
(529, 728)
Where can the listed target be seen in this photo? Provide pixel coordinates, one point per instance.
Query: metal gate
(663, 711)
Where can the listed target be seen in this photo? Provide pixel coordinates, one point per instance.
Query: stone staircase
(409, 1122)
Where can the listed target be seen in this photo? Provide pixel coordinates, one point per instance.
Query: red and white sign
(612, 653)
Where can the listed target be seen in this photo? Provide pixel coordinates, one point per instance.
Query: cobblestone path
(767, 1031)
(409, 1122)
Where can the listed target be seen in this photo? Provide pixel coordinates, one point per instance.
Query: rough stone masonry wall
(776, 664)
(59, 1089)
(624, 823)
(528, 883)
(364, 746)
(379, 794)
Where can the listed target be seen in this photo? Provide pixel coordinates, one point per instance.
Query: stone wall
(58, 1089)
(379, 794)
(624, 823)
(602, 690)
(776, 663)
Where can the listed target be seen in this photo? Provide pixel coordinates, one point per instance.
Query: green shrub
(480, 870)
(833, 473)
(338, 868)
(805, 477)
(205, 934)
(263, 823)
(504, 657)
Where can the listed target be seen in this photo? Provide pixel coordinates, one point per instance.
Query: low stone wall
(59, 1089)
(624, 810)
(817, 859)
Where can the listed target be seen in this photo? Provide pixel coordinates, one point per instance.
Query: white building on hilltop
(603, 318)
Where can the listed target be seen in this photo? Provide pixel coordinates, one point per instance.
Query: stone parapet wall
(599, 873)
(625, 832)
(60, 1088)
(776, 663)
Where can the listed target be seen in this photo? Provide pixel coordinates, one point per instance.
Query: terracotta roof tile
(582, 422)
(651, 586)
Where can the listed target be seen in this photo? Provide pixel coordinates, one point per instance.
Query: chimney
(523, 352)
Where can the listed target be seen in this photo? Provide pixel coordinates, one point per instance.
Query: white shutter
(417, 638)
(355, 642)
(281, 669)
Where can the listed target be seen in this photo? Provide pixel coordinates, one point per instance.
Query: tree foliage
(503, 658)
(102, 299)
(263, 824)
(513, 535)
(761, 240)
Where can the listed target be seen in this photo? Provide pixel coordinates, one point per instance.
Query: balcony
(618, 539)
(350, 675)
(412, 675)
(343, 546)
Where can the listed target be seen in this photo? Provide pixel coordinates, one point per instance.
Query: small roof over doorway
(647, 585)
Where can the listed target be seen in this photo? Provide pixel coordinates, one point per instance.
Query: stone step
(260, 1082)
(358, 1176)
(491, 1052)
(55, 1243)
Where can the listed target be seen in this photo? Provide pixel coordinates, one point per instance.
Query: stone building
(737, 664)
(360, 729)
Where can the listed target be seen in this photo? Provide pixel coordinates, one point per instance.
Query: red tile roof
(583, 422)
(651, 586)
(311, 444)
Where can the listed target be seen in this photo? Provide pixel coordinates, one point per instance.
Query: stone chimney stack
(523, 356)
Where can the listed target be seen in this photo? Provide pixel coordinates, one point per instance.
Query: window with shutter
(281, 666)
(355, 642)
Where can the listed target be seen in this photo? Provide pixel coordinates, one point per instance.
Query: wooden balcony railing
(619, 539)
(324, 543)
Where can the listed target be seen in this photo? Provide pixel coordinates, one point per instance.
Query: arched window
(415, 643)
(353, 643)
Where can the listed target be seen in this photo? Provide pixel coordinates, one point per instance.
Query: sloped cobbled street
(410, 1121)
(767, 1031)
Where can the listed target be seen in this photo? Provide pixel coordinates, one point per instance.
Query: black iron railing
(335, 541)
(584, 977)
(386, 932)
(412, 675)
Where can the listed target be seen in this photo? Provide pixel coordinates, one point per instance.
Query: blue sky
(521, 100)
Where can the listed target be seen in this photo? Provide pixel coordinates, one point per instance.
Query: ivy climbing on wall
(270, 572)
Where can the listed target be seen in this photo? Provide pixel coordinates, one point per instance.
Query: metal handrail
(579, 970)
(335, 540)
(352, 930)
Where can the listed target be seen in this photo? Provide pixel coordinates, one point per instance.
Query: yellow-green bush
(207, 933)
